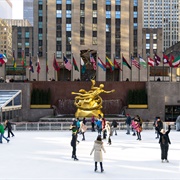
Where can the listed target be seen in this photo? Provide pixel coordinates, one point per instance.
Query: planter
(137, 106)
(40, 106)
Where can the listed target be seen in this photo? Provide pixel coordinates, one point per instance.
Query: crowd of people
(106, 129)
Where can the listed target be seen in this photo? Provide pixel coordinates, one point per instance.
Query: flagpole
(46, 68)
(163, 67)
(131, 67)
(30, 67)
(4, 72)
(114, 66)
(63, 67)
(139, 71)
(54, 69)
(147, 68)
(122, 66)
(37, 67)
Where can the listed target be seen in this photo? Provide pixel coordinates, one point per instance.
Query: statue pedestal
(86, 113)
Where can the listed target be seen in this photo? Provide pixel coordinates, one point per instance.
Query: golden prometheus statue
(89, 103)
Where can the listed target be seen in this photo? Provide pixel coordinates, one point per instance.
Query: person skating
(74, 142)
(8, 126)
(103, 128)
(128, 123)
(2, 134)
(92, 123)
(164, 142)
(114, 127)
(83, 128)
(108, 131)
(97, 149)
(159, 125)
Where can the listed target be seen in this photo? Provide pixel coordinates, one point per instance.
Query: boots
(95, 167)
(75, 158)
(101, 167)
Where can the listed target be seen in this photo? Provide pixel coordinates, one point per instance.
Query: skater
(83, 128)
(74, 142)
(92, 123)
(138, 127)
(97, 148)
(99, 125)
(133, 127)
(103, 128)
(2, 134)
(159, 125)
(178, 123)
(128, 123)
(164, 142)
(108, 131)
(9, 128)
(114, 127)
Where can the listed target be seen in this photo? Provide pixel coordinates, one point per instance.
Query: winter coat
(128, 120)
(108, 129)
(159, 125)
(8, 126)
(164, 138)
(1, 129)
(114, 124)
(83, 127)
(136, 126)
(97, 148)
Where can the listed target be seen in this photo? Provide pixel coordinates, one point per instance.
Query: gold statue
(89, 103)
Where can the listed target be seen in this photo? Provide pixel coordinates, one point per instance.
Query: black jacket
(164, 138)
(8, 126)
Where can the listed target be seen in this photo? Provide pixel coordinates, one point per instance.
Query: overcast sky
(17, 10)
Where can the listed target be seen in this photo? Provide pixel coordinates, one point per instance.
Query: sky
(17, 10)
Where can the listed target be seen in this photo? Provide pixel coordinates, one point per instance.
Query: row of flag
(173, 62)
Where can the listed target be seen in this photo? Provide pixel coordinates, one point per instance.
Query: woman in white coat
(97, 148)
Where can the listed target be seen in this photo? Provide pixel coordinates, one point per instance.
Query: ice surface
(46, 155)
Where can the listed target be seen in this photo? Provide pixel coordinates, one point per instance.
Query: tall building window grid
(108, 28)
(94, 24)
(59, 28)
(82, 22)
(135, 21)
(40, 29)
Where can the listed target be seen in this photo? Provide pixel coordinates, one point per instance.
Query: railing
(44, 126)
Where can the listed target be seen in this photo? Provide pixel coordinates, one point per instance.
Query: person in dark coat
(74, 141)
(92, 123)
(8, 126)
(97, 149)
(159, 125)
(128, 123)
(164, 142)
(114, 127)
(2, 134)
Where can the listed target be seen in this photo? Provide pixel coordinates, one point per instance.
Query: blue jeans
(2, 136)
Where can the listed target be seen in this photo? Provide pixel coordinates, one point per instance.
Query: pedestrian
(138, 127)
(97, 148)
(159, 125)
(92, 123)
(178, 123)
(99, 125)
(2, 134)
(83, 128)
(114, 127)
(164, 142)
(103, 128)
(128, 123)
(74, 142)
(8, 126)
(108, 131)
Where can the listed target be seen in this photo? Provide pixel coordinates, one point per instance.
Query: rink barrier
(51, 126)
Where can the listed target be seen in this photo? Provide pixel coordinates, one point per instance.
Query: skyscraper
(163, 14)
(6, 9)
(28, 10)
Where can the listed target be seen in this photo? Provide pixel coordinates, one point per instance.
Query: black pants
(139, 135)
(92, 124)
(164, 151)
(10, 132)
(101, 165)
(74, 151)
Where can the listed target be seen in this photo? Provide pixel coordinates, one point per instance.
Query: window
(58, 54)
(58, 1)
(147, 36)
(40, 36)
(107, 28)
(118, 14)
(94, 41)
(68, 1)
(27, 44)
(68, 13)
(147, 46)
(154, 36)
(94, 13)
(118, 2)
(59, 13)
(108, 14)
(82, 13)
(154, 46)
(68, 27)
(108, 2)
(26, 34)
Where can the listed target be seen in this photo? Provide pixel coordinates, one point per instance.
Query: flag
(55, 64)
(75, 65)
(150, 61)
(38, 65)
(101, 64)
(142, 62)
(171, 60)
(67, 64)
(14, 60)
(117, 64)
(110, 64)
(3, 58)
(135, 63)
(165, 59)
(93, 61)
(125, 62)
(83, 67)
(31, 68)
(176, 62)
(157, 59)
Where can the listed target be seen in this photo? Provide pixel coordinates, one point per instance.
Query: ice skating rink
(46, 155)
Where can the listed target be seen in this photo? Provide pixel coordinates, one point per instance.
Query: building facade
(6, 9)
(28, 11)
(163, 14)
